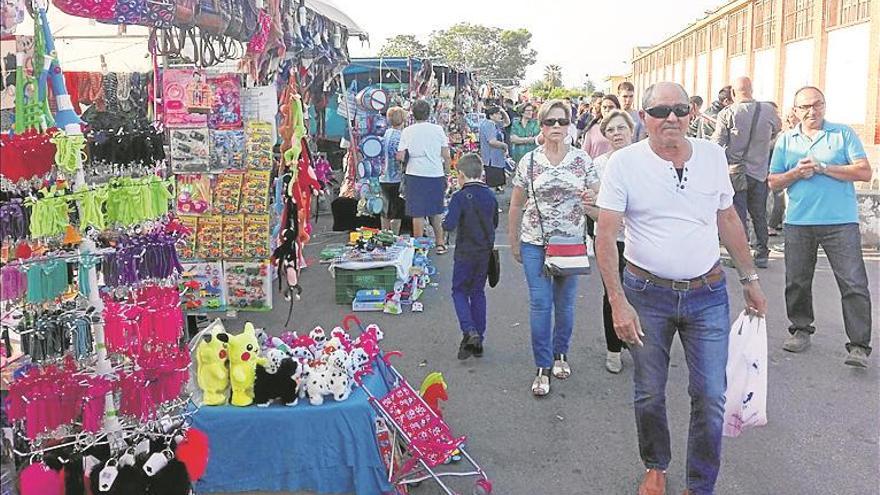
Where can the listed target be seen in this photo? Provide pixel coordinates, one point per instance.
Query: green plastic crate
(348, 282)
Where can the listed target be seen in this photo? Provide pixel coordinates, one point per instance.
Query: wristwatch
(752, 277)
(823, 167)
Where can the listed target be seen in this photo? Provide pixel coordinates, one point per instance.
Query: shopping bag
(746, 404)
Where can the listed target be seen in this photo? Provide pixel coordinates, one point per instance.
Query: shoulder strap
(476, 212)
(745, 152)
(534, 199)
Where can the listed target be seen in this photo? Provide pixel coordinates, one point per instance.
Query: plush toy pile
(261, 369)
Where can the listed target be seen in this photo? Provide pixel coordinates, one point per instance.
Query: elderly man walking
(675, 197)
(745, 130)
(817, 162)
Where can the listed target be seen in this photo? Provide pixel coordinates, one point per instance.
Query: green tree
(494, 53)
(404, 45)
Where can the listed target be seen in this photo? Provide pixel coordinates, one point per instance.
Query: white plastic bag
(746, 404)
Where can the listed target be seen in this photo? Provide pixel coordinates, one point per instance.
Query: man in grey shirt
(746, 135)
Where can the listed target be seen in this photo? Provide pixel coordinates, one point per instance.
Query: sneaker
(464, 349)
(799, 341)
(858, 357)
(761, 262)
(476, 344)
(613, 363)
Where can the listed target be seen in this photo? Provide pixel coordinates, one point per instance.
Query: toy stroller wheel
(482, 487)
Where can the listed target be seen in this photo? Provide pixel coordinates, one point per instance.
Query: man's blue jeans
(549, 297)
(469, 293)
(702, 319)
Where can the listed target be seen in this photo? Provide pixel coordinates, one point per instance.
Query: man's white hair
(647, 99)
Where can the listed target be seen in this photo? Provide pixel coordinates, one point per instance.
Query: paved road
(824, 417)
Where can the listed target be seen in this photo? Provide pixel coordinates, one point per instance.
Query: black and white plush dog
(276, 379)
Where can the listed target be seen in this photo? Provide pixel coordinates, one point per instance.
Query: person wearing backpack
(473, 215)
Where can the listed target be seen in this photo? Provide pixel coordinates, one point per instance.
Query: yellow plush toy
(211, 357)
(244, 352)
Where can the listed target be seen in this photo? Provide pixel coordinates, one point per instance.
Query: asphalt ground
(824, 417)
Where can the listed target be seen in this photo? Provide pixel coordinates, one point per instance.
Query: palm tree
(552, 76)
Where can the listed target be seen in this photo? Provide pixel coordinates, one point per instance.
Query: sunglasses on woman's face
(552, 122)
(663, 111)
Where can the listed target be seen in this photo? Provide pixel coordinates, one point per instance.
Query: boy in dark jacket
(473, 214)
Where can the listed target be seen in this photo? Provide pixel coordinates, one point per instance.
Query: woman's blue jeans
(551, 307)
(701, 317)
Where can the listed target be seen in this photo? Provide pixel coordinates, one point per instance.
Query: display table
(329, 448)
(403, 262)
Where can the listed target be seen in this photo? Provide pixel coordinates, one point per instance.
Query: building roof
(711, 16)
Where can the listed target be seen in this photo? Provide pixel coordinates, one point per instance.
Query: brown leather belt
(716, 274)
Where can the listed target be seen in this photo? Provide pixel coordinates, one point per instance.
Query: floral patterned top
(558, 191)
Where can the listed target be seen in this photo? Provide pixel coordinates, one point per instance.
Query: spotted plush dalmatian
(331, 378)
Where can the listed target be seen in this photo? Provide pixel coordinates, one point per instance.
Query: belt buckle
(681, 285)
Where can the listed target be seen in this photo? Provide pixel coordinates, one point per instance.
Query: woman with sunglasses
(594, 143)
(618, 128)
(552, 187)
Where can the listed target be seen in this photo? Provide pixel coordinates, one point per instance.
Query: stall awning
(336, 15)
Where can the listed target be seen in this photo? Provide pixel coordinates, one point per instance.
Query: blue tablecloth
(329, 448)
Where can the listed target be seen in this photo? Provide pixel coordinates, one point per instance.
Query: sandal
(441, 249)
(541, 385)
(561, 369)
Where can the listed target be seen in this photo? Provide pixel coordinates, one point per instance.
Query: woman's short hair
(550, 105)
(492, 110)
(421, 110)
(396, 116)
(617, 113)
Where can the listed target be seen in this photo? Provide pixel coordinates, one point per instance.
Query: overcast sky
(583, 36)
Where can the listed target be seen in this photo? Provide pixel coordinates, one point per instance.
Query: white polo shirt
(671, 224)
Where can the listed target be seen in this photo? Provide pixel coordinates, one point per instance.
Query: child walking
(473, 214)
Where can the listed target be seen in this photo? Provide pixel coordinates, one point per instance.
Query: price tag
(107, 477)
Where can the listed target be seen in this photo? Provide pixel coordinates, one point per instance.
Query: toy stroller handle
(386, 356)
(350, 317)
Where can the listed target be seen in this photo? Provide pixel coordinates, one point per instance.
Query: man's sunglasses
(552, 122)
(663, 111)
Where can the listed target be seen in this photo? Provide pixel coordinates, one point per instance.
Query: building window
(736, 33)
(688, 46)
(702, 38)
(844, 12)
(797, 20)
(764, 20)
(716, 34)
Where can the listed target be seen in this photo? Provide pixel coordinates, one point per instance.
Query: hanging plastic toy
(65, 116)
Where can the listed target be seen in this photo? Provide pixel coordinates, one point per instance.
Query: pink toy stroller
(425, 440)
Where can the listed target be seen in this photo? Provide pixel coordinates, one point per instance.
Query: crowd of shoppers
(667, 185)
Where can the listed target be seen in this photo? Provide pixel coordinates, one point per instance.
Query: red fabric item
(71, 80)
(193, 452)
(26, 155)
(23, 251)
(39, 479)
(566, 250)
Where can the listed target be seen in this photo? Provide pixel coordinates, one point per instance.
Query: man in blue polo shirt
(818, 162)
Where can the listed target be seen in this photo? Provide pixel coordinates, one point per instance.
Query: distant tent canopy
(368, 71)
